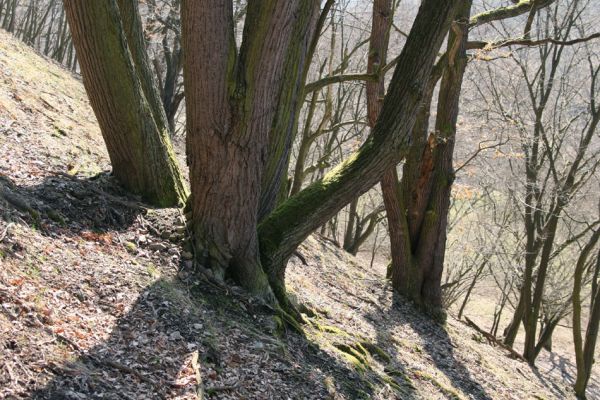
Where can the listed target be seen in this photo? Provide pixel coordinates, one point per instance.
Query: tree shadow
(68, 205)
(563, 367)
(438, 345)
(151, 349)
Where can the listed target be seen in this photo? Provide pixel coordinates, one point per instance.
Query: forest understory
(100, 298)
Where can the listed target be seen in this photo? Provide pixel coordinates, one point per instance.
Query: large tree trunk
(232, 103)
(418, 207)
(290, 223)
(285, 124)
(121, 94)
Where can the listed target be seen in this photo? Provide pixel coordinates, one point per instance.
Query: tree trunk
(510, 333)
(296, 63)
(418, 208)
(350, 224)
(137, 142)
(291, 222)
(585, 348)
(232, 102)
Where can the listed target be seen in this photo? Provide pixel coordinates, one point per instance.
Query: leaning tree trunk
(232, 102)
(292, 221)
(122, 98)
(285, 123)
(418, 207)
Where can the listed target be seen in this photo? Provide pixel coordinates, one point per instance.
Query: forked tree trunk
(121, 96)
(291, 222)
(418, 207)
(232, 102)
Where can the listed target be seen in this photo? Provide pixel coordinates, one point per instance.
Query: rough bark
(291, 95)
(137, 142)
(418, 207)
(291, 222)
(232, 103)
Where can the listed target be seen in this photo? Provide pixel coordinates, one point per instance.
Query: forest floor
(99, 298)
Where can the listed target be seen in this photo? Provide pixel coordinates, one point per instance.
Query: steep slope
(98, 298)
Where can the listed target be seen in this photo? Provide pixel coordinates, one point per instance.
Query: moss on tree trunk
(137, 141)
(291, 222)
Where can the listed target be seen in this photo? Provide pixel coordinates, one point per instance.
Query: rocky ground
(99, 298)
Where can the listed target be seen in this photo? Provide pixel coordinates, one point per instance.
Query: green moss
(131, 247)
(376, 351)
(448, 391)
(354, 356)
(356, 363)
(328, 328)
(405, 380)
(290, 321)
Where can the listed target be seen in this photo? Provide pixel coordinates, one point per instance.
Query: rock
(189, 264)
(165, 235)
(157, 247)
(175, 335)
(175, 237)
(142, 239)
(198, 326)
(186, 255)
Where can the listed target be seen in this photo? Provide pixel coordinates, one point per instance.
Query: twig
(196, 368)
(224, 388)
(5, 232)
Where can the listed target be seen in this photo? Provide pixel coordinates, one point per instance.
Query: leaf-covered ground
(99, 298)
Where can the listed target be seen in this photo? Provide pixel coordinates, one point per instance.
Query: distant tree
(555, 138)
(123, 95)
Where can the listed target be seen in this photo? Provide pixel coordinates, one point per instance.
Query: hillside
(99, 298)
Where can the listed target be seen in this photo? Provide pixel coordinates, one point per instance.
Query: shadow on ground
(551, 363)
(150, 351)
(436, 343)
(66, 204)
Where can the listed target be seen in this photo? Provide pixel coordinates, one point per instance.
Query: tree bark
(232, 102)
(291, 222)
(290, 96)
(138, 143)
(418, 207)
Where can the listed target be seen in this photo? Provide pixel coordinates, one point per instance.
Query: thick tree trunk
(232, 103)
(137, 141)
(297, 60)
(284, 229)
